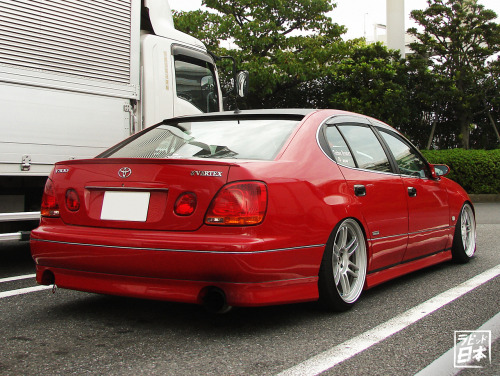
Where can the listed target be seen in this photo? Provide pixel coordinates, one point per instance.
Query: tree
(428, 105)
(283, 43)
(458, 37)
(492, 104)
(370, 79)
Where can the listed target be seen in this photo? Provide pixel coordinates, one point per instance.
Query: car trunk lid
(137, 194)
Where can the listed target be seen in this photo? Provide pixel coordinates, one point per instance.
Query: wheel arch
(360, 223)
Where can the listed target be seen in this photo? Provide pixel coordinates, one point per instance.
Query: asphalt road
(391, 331)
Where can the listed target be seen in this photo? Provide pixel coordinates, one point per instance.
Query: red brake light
(49, 208)
(185, 204)
(72, 200)
(237, 204)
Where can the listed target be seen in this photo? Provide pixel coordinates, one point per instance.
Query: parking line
(335, 355)
(26, 290)
(17, 278)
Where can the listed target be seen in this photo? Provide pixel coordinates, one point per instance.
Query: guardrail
(20, 235)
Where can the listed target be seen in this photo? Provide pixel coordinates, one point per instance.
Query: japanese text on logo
(472, 348)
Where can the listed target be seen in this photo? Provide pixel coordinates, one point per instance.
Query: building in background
(393, 34)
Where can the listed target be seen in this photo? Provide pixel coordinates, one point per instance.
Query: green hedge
(478, 171)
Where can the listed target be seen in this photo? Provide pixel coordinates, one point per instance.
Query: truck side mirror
(241, 84)
(207, 82)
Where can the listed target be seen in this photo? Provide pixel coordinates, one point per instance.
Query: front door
(428, 209)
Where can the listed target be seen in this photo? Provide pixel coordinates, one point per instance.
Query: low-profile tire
(464, 239)
(342, 273)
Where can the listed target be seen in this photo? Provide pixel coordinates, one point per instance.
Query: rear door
(375, 187)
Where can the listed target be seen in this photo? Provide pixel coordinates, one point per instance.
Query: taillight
(72, 200)
(238, 204)
(49, 208)
(185, 204)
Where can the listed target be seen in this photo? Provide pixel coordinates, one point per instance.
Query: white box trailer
(78, 76)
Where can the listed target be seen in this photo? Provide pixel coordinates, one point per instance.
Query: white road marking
(444, 364)
(17, 278)
(335, 355)
(26, 290)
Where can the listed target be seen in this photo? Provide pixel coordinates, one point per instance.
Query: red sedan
(249, 209)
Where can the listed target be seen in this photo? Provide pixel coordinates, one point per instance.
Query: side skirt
(379, 276)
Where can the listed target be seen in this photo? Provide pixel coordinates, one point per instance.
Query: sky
(359, 16)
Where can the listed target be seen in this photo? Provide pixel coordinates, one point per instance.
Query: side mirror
(241, 84)
(206, 82)
(439, 170)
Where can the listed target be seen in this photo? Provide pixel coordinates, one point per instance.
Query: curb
(485, 197)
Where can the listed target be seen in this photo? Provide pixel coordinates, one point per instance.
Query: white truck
(76, 77)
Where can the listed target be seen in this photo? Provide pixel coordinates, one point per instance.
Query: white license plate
(125, 206)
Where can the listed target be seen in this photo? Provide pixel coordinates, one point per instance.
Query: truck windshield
(235, 139)
(196, 83)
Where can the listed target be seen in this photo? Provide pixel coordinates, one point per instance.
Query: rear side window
(234, 139)
(366, 148)
(338, 147)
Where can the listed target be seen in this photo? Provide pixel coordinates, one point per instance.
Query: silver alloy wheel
(349, 261)
(468, 230)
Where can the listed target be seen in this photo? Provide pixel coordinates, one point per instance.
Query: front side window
(235, 139)
(407, 159)
(367, 150)
(196, 83)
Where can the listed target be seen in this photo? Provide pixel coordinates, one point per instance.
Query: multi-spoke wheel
(464, 240)
(343, 268)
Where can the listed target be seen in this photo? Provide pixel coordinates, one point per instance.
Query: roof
(277, 113)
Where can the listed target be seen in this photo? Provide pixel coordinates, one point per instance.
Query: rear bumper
(184, 291)
(160, 266)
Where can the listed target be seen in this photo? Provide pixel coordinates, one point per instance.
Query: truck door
(196, 83)
(177, 80)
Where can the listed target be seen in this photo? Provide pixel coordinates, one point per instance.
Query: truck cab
(180, 77)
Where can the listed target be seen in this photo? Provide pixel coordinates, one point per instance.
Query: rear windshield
(235, 139)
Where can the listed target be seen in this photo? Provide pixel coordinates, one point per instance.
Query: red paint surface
(174, 257)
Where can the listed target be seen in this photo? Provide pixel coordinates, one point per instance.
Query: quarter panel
(304, 202)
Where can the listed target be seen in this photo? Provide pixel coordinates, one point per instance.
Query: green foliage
(296, 58)
(458, 37)
(371, 80)
(281, 43)
(477, 171)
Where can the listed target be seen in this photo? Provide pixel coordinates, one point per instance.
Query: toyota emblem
(124, 172)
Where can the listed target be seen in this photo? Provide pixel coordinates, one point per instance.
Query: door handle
(359, 190)
(412, 191)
